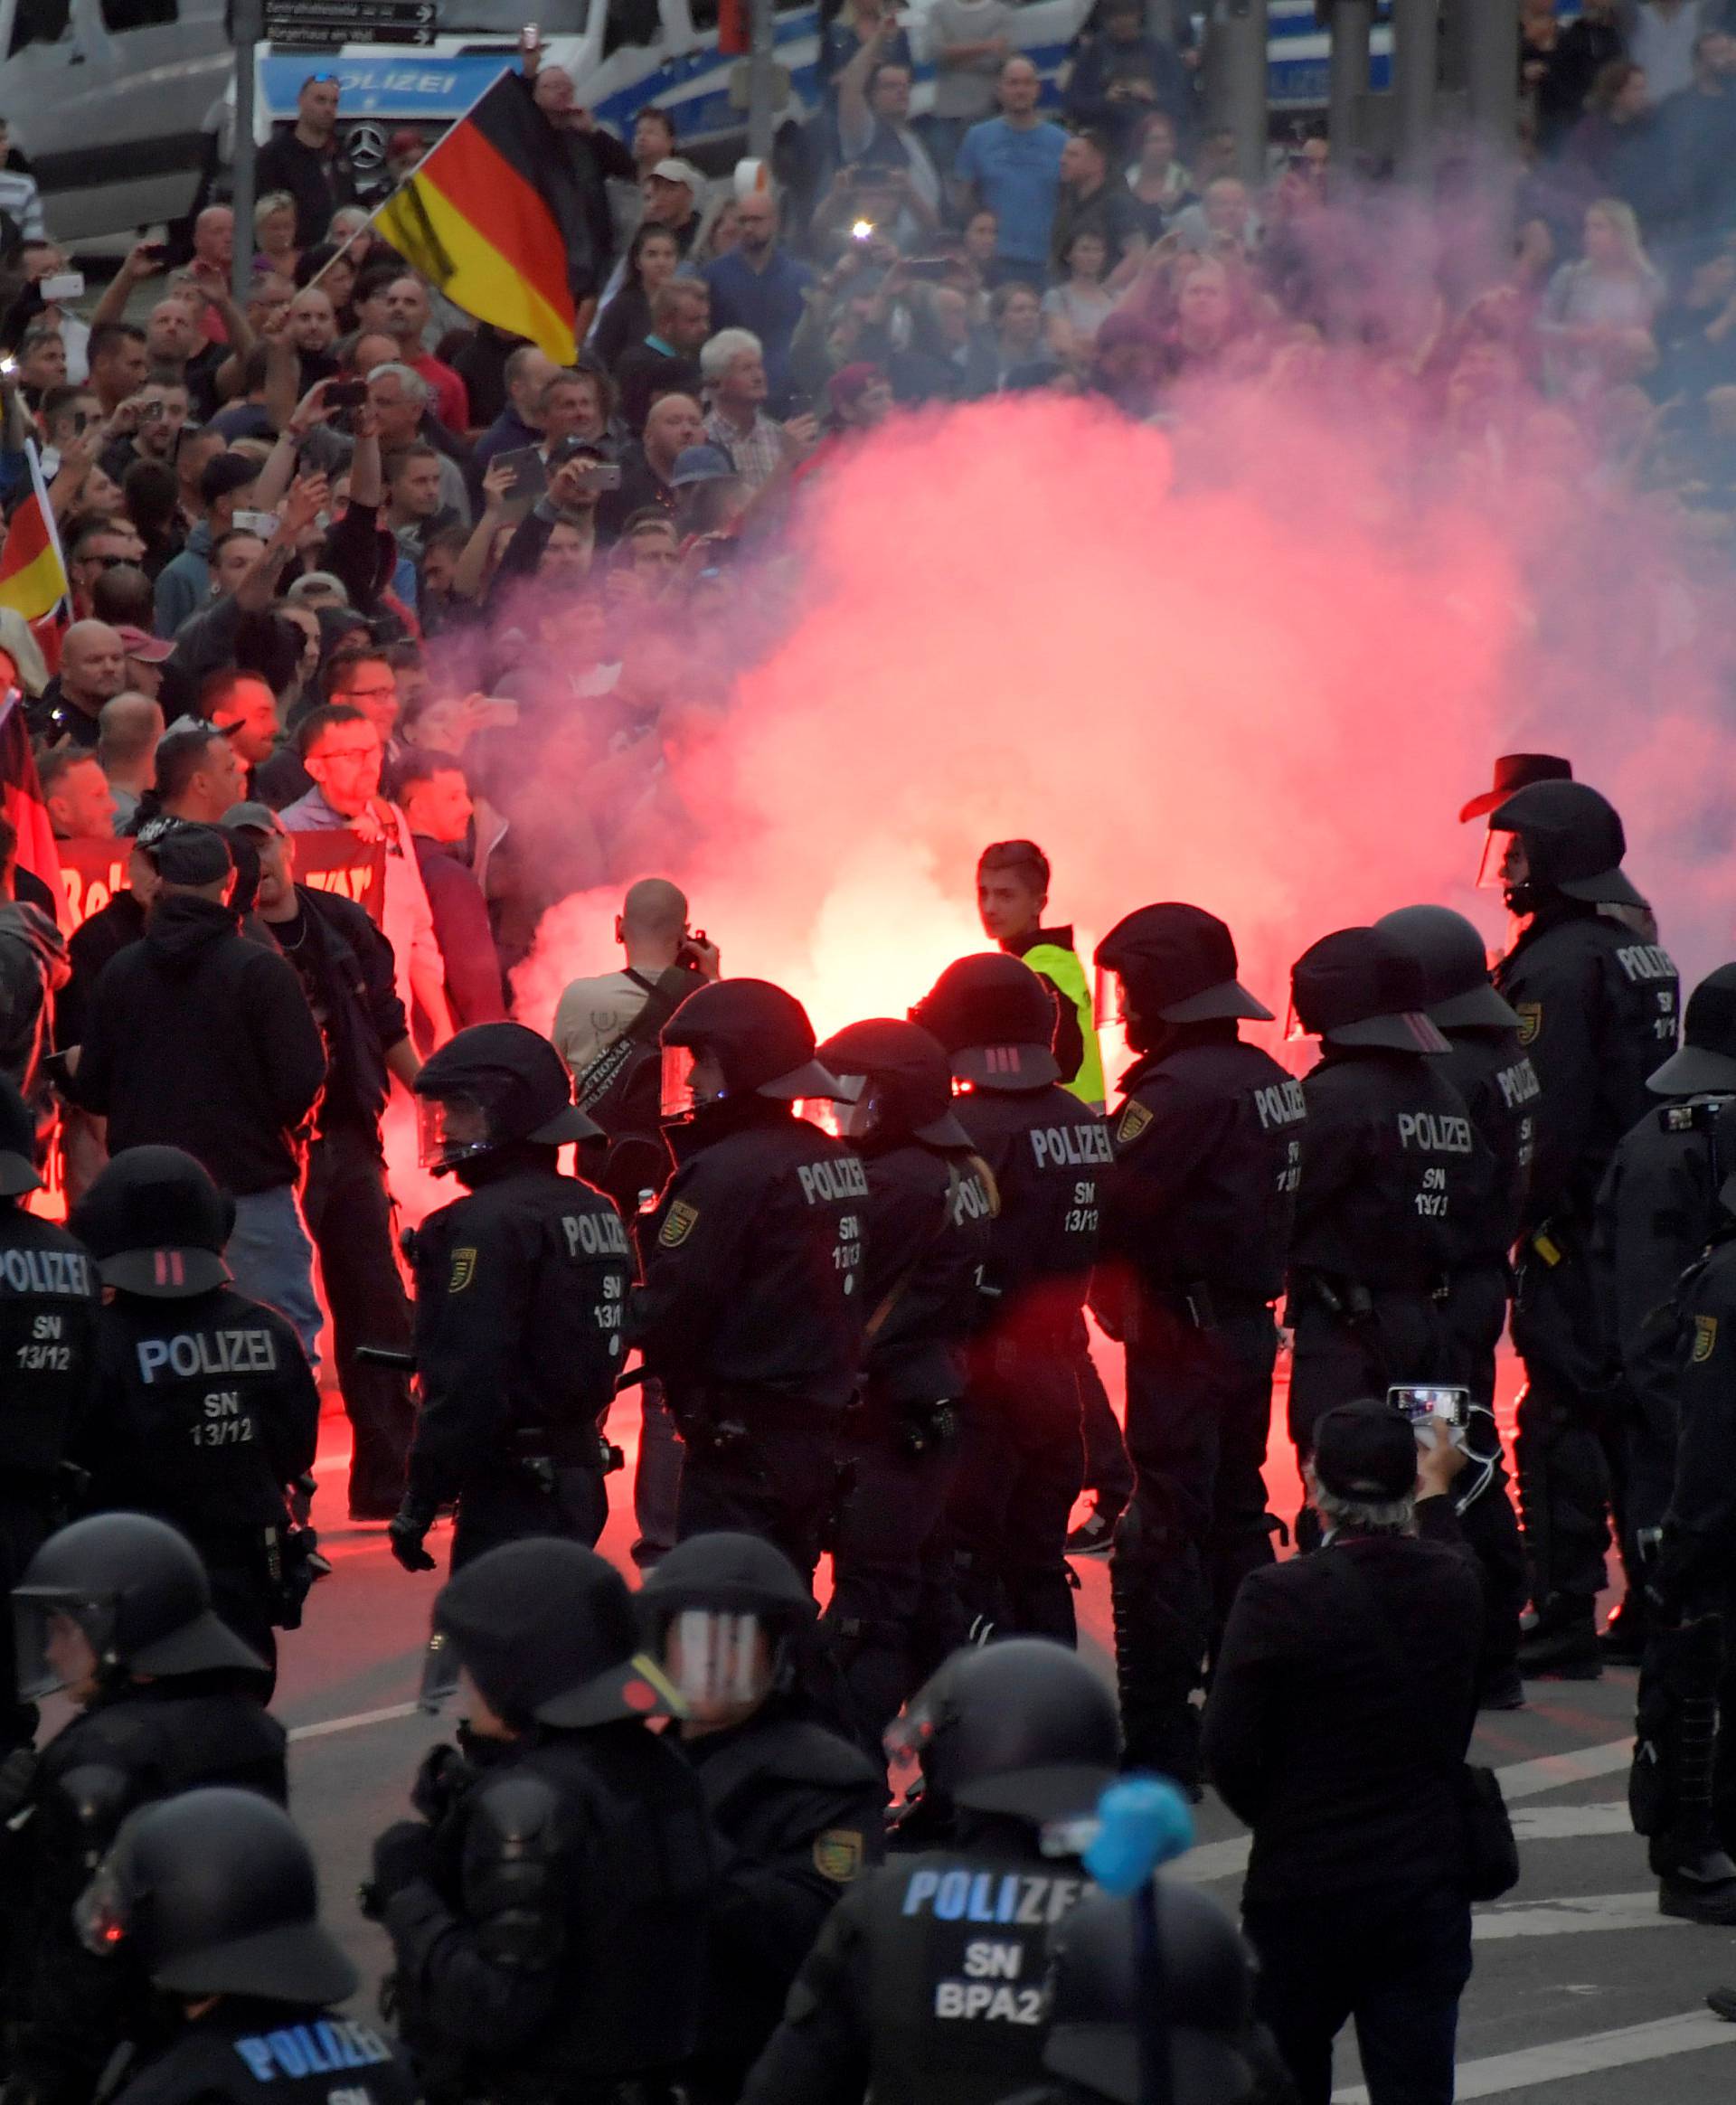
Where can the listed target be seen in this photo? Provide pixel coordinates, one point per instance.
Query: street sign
(319, 24)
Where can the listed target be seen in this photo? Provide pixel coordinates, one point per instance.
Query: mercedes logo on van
(367, 147)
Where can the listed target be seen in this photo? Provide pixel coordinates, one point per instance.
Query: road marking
(379, 1717)
(1570, 1823)
(1561, 1918)
(1587, 2057)
(1525, 1780)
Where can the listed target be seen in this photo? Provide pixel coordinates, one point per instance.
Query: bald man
(93, 670)
(130, 726)
(593, 1015)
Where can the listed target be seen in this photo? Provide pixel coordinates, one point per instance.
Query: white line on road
(1525, 1780)
(1588, 2056)
(379, 1717)
(1571, 1823)
(1561, 1918)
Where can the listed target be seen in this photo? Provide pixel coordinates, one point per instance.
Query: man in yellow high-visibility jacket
(1011, 892)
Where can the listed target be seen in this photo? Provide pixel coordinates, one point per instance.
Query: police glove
(402, 1855)
(408, 1525)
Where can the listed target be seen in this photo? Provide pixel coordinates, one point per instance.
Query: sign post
(247, 37)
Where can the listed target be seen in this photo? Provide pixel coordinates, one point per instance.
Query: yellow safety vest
(1064, 972)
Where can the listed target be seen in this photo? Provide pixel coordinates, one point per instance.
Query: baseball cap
(699, 464)
(675, 170)
(847, 386)
(191, 854)
(1365, 1449)
(253, 818)
(148, 649)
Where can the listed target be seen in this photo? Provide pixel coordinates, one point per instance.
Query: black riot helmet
(547, 1632)
(1099, 1998)
(1356, 987)
(17, 1143)
(1175, 964)
(897, 1085)
(491, 1085)
(733, 1602)
(214, 1892)
(757, 1035)
(1456, 990)
(995, 1019)
(137, 1592)
(1573, 842)
(1023, 1728)
(1706, 1063)
(156, 1225)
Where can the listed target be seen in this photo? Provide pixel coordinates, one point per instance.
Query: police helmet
(490, 1085)
(1100, 2004)
(897, 1084)
(215, 1893)
(995, 1019)
(1706, 1063)
(1456, 986)
(546, 1630)
(1176, 964)
(156, 1225)
(758, 1036)
(17, 1143)
(1023, 1727)
(1357, 987)
(137, 1592)
(1573, 839)
(734, 1602)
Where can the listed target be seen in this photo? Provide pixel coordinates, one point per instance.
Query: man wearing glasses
(308, 162)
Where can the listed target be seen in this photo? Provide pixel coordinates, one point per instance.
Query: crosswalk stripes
(1592, 2055)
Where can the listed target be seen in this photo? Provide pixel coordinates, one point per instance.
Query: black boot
(1561, 1643)
(1698, 1881)
(1157, 1666)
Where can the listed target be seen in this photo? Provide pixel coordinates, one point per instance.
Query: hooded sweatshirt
(32, 967)
(198, 1039)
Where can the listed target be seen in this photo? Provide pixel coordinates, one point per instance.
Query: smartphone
(149, 413)
(530, 477)
(344, 394)
(155, 252)
(862, 231)
(8, 367)
(1421, 1402)
(931, 270)
(605, 475)
(264, 524)
(63, 285)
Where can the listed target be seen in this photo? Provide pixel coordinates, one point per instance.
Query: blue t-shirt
(1017, 175)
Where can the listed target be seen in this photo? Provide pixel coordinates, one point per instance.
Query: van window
(122, 15)
(40, 22)
(631, 21)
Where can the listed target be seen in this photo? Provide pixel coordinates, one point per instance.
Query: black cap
(1574, 842)
(17, 1143)
(1516, 771)
(734, 1574)
(224, 473)
(911, 1076)
(1365, 1450)
(1357, 987)
(1706, 1063)
(1178, 964)
(1456, 990)
(995, 1018)
(759, 1036)
(546, 1629)
(190, 854)
(156, 1224)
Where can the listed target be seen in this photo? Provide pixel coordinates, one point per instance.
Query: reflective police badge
(838, 1855)
(1705, 1339)
(1531, 1020)
(679, 1225)
(1133, 1121)
(464, 1269)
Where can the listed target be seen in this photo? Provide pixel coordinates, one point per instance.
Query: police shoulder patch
(1133, 1121)
(1531, 1020)
(838, 1855)
(464, 1269)
(678, 1226)
(1705, 1339)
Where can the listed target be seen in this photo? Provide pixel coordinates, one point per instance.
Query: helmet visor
(453, 1129)
(718, 1661)
(1492, 874)
(678, 1099)
(855, 1108)
(62, 1641)
(1110, 1000)
(100, 1915)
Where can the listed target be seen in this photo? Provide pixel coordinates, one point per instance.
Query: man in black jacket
(1341, 1704)
(196, 1038)
(345, 966)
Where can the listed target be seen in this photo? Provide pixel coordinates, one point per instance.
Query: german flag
(33, 577)
(493, 217)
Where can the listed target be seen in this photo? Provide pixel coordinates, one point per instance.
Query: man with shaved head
(607, 1030)
(93, 670)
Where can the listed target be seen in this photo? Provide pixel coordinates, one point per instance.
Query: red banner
(94, 871)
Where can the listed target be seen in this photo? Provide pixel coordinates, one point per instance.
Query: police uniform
(47, 1311)
(247, 2051)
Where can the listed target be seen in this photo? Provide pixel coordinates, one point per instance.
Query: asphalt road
(1583, 1993)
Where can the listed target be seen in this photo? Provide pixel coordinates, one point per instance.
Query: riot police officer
(1486, 1062)
(1020, 1461)
(115, 1611)
(1658, 1210)
(927, 1982)
(1196, 1222)
(1597, 1005)
(797, 1809)
(926, 1227)
(752, 1306)
(521, 1303)
(47, 1307)
(1683, 1788)
(203, 1410)
(1389, 1165)
(213, 1898)
(548, 1918)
